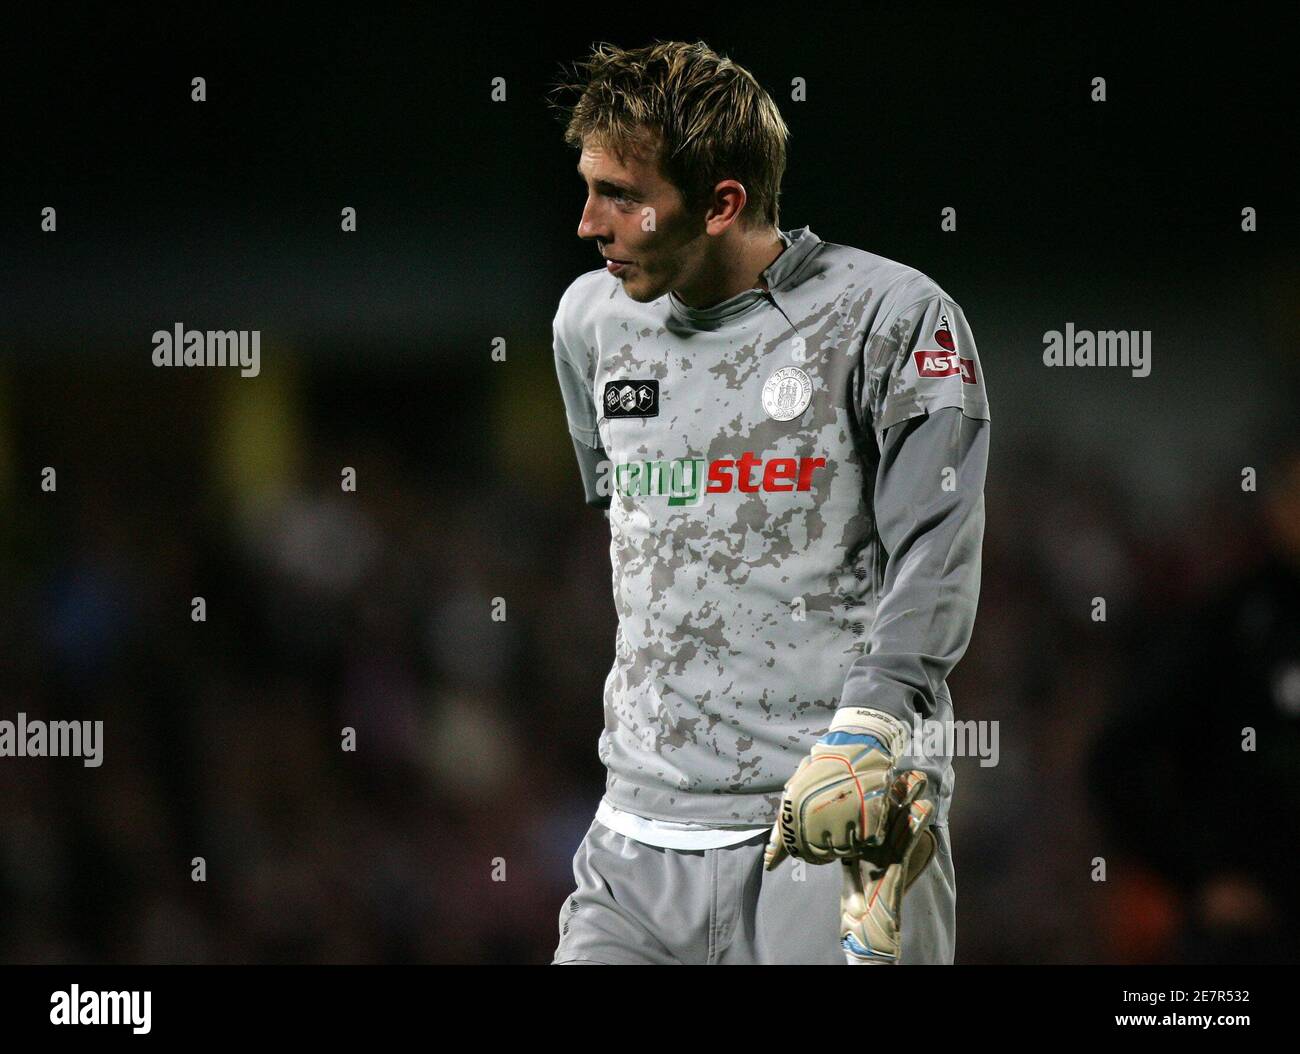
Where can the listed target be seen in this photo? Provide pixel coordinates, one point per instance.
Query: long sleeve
(593, 463)
(929, 507)
(573, 369)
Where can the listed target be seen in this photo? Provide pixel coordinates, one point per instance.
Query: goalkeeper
(789, 438)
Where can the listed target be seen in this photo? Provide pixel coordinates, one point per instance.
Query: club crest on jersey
(943, 335)
(787, 393)
(632, 398)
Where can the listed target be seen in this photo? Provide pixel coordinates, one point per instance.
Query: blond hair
(705, 116)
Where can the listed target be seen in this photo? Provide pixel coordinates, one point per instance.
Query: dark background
(477, 739)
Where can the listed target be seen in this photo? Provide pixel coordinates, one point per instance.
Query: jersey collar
(799, 244)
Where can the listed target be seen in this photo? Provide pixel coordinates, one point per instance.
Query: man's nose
(591, 226)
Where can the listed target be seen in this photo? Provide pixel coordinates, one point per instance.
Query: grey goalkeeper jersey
(794, 481)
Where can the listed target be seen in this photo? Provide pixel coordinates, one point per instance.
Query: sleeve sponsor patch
(632, 398)
(944, 364)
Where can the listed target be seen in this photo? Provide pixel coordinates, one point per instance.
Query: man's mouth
(616, 266)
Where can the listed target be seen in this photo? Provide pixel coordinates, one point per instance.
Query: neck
(739, 266)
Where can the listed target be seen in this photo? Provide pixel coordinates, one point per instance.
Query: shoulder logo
(787, 393)
(632, 398)
(943, 335)
(944, 364)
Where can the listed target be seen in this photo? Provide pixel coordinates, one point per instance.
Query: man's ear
(728, 202)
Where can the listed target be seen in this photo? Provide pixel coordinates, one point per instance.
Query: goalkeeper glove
(871, 904)
(837, 804)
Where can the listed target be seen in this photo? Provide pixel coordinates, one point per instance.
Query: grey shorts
(637, 903)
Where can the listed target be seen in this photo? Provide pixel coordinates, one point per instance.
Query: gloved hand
(837, 804)
(871, 903)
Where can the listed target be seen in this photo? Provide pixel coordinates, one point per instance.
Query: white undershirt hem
(668, 834)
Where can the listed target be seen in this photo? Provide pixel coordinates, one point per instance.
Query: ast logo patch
(944, 364)
(631, 398)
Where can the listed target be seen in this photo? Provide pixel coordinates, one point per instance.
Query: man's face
(638, 218)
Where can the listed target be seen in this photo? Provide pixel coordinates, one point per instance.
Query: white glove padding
(837, 804)
(871, 904)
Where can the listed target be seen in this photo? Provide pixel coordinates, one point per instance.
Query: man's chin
(641, 292)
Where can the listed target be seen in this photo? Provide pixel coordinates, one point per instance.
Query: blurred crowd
(446, 836)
